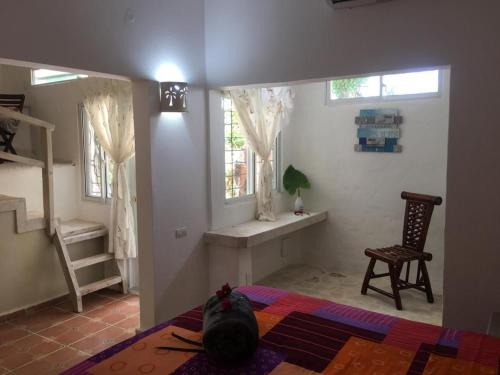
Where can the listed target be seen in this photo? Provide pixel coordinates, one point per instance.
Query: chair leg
(394, 273)
(368, 275)
(427, 282)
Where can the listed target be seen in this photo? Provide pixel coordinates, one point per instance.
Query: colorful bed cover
(305, 335)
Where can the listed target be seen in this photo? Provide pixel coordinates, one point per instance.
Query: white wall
(26, 182)
(297, 40)
(99, 36)
(361, 191)
(294, 40)
(59, 105)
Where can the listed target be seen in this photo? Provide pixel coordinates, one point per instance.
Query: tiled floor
(345, 288)
(53, 338)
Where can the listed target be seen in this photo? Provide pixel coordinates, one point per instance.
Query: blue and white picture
(378, 130)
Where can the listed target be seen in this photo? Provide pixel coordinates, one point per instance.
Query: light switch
(181, 232)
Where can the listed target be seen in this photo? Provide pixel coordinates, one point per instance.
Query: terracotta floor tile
(102, 340)
(38, 320)
(113, 312)
(130, 324)
(57, 326)
(111, 293)
(18, 353)
(9, 332)
(36, 367)
(131, 299)
(53, 363)
(89, 302)
(16, 360)
(73, 330)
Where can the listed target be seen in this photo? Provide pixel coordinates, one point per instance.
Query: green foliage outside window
(348, 88)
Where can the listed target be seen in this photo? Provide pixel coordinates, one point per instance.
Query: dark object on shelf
(230, 330)
(8, 127)
(418, 215)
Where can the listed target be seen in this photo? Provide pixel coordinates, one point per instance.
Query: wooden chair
(8, 127)
(418, 215)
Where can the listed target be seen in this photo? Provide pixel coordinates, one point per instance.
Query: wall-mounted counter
(231, 248)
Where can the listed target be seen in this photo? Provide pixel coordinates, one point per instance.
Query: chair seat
(397, 254)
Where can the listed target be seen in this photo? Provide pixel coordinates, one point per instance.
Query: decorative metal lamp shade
(173, 96)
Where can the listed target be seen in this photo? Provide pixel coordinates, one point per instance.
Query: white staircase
(72, 232)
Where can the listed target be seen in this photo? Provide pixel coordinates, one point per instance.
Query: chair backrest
(15, 102)
(418, 215)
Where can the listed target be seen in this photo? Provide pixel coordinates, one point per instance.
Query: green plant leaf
(294, 179)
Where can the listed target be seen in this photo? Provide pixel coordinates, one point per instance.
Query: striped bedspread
(305, 335)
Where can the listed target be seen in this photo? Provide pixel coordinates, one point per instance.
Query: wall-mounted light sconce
(173, 96)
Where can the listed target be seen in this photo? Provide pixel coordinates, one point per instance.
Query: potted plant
(293, 181)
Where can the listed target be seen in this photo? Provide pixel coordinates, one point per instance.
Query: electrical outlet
(181, 232)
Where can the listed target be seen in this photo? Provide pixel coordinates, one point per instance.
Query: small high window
(46, 76)
(97, 167)
(386, 86)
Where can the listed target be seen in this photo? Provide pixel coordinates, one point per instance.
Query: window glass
(410, 83)
(45, 76)
(385, 86)
(98, 168)
(350, 88)
(238, 158)
(242, 166)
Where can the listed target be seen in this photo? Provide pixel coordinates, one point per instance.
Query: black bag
(230, 330)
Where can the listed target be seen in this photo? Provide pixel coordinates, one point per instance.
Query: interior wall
(59, 104)
(361, 191)
(23, 181)
(299, 40)
(31, 265)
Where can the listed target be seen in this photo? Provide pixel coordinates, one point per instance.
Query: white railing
(47, 162)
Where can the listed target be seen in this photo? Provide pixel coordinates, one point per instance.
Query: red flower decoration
(224, 291)
(227, 289)
(220, 294)
(226, 304)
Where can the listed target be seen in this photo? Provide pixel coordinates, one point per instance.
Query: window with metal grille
(46, 76)
(241, 164)
(97, 167)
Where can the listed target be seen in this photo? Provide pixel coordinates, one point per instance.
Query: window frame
(70, 77)
(104, 198)
(277, 167)
(381, 98)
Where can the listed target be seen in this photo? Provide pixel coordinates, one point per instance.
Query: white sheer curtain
(108, 104)
(263, 113)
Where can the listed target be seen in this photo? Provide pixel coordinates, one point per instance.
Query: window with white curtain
(402, 85)
(241, 165)
(97, 167)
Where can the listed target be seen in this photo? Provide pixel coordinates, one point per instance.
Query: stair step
(76, 226)
(101, 284)
(85, 236)
(85, 262)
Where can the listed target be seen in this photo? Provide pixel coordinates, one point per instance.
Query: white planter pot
(299, 204)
